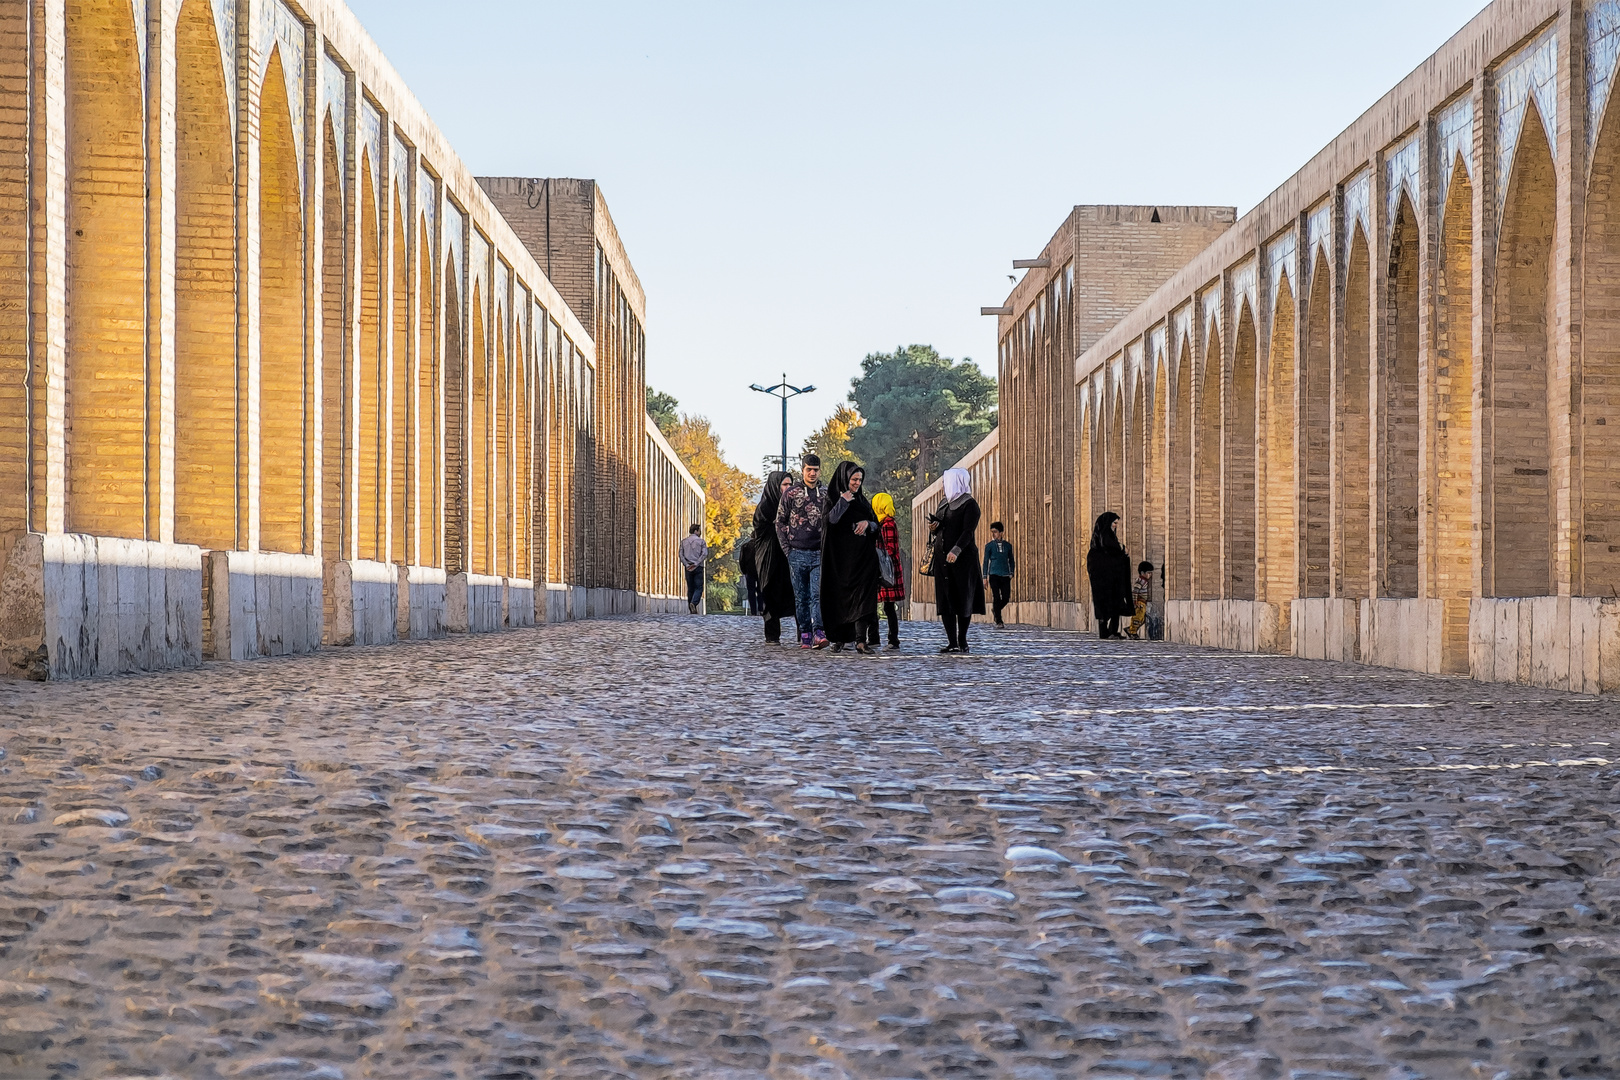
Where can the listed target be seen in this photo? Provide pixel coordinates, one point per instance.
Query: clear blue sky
(801, 184)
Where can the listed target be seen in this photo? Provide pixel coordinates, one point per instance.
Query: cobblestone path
(659, 848)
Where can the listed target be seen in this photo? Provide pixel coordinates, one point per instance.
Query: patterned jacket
(799, 517)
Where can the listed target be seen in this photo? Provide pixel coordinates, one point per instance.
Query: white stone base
(1242, 625)
(519, 603)
(648, 604)
(1558, 642)
(421, 603)
(1402, 634)
(365, 602)
(553, 605)
(474, 602)
(261, 604)
(1327, 628)
(74, 606)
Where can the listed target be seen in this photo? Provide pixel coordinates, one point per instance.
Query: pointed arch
(430, 524)
(1399, 420)
(15, 389)
(1238, 482)
(1281, 483)
(456, 502)
(1521, 494)
(401, 494)
(500, 488)
(1355, 468)
(334, 359)
(1085, 470)
(1178, 554)
(1135, 501)
(1206, 533)
(1117, 497)
(1156, 463)
(106, 270)
(479, 480)
(1316, 436)
(370, 449)
(282, 483)
(1600, 367)
(1456, 561)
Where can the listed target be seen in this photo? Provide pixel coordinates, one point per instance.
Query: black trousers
(893, 615)
(1108, 628)
(773, 629)
(956, 628)
(694, 586)
(1000, 594)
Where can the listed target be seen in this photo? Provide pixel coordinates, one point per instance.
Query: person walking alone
(772, 579)
(799, 524)
(694, 553)
(958, 585)
(1108, 566)
(849, 562)
(889, 595)
(999, 567)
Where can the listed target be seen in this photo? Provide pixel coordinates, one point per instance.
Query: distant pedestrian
(958, 584)
(1108, 566)
(1141, 596)
(745, 566)
(889, 595)
(799, 520)
(999, 567)
(694, 553)
(773, 579)
(849, 562)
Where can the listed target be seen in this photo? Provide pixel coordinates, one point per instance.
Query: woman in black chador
(1108, 565)
(771, 578)
(849, 562)
(958, 588)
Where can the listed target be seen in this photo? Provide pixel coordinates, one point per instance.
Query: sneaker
(820, 641)
(804, 641)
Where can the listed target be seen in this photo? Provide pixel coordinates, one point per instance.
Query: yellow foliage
(831, 441)
(728, 511)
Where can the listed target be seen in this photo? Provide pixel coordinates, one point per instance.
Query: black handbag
(888, 569)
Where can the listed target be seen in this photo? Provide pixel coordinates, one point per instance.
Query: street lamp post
(784, 391)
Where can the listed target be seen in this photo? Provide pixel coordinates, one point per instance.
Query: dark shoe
(893, 646)
(948, 649)
(864, 649)
(962, 648)
(838, 646)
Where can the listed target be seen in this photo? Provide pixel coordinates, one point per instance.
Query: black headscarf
(770, 498)
(1103, 537)
(840, 482)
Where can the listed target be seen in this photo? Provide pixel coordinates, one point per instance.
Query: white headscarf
(958, 482)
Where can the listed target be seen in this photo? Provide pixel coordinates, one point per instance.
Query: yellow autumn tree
(728, 513)
(830, 442)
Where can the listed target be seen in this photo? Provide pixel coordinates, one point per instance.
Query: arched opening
(1454, 419)
(1086, 468)
(522, 454)
(369, 446)
(1178, 527)
(1281, 492)
(334, 359)
(1206, 539)
(1154, 467)
(455, 427)
(1135, 498)
(401, 383)
(1398, 418)
(1353, 421)
(106, 270)
(501, 470)
(478, 443)
(1521, 501)
(1239, 500)
(1316, 438)
(15, 348)
(1118, 498)
(1600, 367)
(431, 522)
(282, 483)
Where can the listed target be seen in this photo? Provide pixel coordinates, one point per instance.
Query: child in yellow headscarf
(889, 541)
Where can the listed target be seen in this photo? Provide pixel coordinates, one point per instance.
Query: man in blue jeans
(798, 527)
(694, 553)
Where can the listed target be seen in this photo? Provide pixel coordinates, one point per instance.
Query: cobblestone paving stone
(658, 848)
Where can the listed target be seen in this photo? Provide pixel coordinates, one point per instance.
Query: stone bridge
(1371, 420)
(275, 370)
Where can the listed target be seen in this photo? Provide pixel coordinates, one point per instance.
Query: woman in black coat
(958, 588)
(771, 578)
(849, 562)
(1108, 565)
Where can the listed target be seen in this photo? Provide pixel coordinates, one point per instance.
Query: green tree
(729, 509)
(830, 442)
(923, 411)
(661, 407)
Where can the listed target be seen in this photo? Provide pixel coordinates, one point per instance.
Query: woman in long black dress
(958, 588)
(1108, 566)
(849, 563)
(771, 577)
